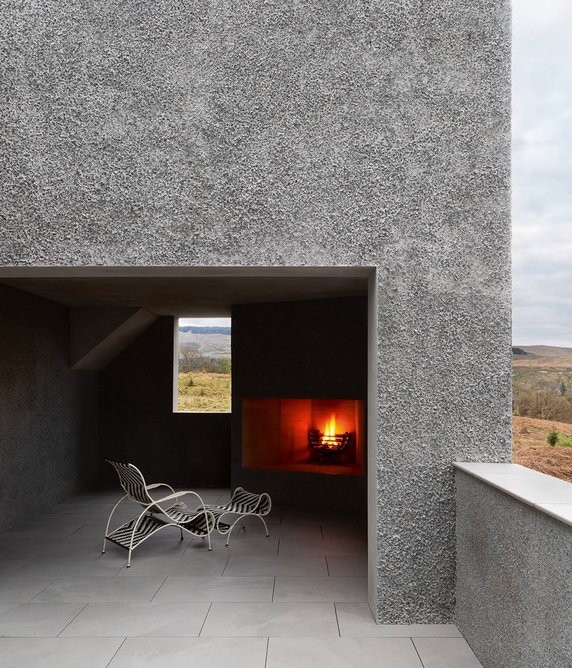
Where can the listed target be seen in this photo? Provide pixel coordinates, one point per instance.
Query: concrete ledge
(513, 571)
(543, 492)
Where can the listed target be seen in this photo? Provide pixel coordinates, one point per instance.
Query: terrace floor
(296, 599)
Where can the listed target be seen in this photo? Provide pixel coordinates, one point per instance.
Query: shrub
(552, 438)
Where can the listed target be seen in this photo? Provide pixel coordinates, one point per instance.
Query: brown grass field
(531, 449)
(543, 362)
(201, 392)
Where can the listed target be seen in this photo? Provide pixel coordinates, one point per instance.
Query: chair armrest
(160, 484)
(177, 495)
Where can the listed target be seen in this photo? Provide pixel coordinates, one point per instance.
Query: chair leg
(103, 548)
(181, 534)
(263, 522)
(230, 530)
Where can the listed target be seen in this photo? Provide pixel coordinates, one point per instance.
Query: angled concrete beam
(97, 335)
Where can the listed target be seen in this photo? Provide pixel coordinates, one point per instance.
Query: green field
(201, 392)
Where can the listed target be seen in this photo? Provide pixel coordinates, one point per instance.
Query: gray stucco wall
(514, 580)
(48, 413)
(315, 132)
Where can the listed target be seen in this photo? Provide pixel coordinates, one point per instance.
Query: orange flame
(330, 428)
(329, 435)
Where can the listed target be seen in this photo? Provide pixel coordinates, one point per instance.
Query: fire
(329, 435)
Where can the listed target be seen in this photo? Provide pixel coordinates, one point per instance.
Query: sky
(542, 172)
(204, 322)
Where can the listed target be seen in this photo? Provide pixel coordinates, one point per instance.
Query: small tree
(562, 389)
(552, 438)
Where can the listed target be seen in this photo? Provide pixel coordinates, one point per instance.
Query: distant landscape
(204, 383)
(542, 409)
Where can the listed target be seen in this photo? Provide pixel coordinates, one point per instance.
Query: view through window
(203, 365)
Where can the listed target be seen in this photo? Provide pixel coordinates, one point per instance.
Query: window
(202, 365)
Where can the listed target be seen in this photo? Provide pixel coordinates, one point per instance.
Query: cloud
(205, 322)
(542, 172)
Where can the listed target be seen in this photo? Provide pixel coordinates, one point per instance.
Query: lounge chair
(243, 504)
(158, 513)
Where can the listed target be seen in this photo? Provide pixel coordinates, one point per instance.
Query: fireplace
(305, 435)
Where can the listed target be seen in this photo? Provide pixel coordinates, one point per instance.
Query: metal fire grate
(322, 443)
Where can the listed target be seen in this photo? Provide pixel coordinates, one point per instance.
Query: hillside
(542, 403)
(542, 382)
(210, 345)
(547, 351)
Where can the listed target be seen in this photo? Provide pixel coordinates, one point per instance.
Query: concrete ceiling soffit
(97, 335)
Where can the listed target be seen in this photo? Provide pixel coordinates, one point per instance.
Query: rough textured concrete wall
(317, 349)
(278, 133)
(137, 423)
(48, 413)
(514, 580)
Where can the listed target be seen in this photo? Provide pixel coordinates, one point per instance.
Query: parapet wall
(514, 567)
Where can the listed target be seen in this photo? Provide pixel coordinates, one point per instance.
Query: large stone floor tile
(272, 520)
(446, 653)
(191, 653)
(320, 588)
(136, 619)
(57, 652)
(342, 653)
(10, 564)
(86, 565)
(271, 619)
(294, 531)
(156, 546)
(94, 517)
(39, 532)
(339, 536)
(219, 589)
(95, 532)
(323, 516)
(61, 548)
(29, 620)
(246, 544)
(350, 565)
(356, 621)
(21, 590)
(100, 589)
(187, 564)
(329, 547)
(286, 565)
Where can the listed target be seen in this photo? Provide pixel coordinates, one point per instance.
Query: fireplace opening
(304, 435)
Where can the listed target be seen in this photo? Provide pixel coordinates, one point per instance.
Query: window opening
(203, 365)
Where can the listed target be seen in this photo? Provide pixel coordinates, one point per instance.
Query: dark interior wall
(48, 413)
(138, 425)
(305, 349)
